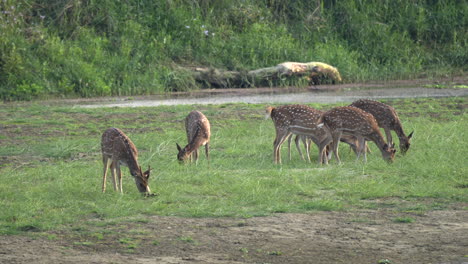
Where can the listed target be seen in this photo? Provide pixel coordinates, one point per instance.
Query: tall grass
(53, 177)
(94, 48)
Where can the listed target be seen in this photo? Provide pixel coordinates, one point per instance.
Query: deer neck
(194, 144)
(196, 141)
(378, 140)
(133, 165)
(399, 130)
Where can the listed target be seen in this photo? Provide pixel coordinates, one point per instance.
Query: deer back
(385, 115)
(295, 115)
(387, 118)
(299, 120)
(118, 146)
(354, 121)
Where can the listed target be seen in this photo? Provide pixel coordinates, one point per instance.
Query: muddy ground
(383, 235)
(364, 236)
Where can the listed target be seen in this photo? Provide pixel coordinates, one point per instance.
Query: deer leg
(119, 173)
(325, 156)
(336, 140)
(298, 147)
(114, 180)
(361, 148)
(195, 156)
(207, 149)
(364, 148)
(280, 138)
(306, 142)
(358, 153)
(328, 150)
(323, 150)
(388, 133)
(354, 148)
(275, 146)
(289, 146)
(274, 149)
(322, 156)
(364, 151)
(105, 160)
(119, 177)
(367, 147)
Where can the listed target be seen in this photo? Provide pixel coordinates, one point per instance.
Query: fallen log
(313, 72)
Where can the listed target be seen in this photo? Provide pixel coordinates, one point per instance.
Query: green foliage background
(69, 48)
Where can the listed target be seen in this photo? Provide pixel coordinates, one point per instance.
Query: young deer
(387, 118)
(358, 123)
(298, 120)
(118, 149)
(348, 139)
(197, 127)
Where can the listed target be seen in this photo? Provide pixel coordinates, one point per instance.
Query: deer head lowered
(198, 132)
(358, 123)
(387, 118)
(118, 149)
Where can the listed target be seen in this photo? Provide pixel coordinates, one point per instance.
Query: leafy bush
(94, 48)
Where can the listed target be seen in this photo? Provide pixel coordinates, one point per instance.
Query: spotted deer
(198, 131)
(298, 120)
(358, 123)
(118, 149)
(387, 118)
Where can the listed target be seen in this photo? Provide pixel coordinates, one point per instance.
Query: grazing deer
(358, 123)
(118, 149)
(197, 127)
(387, 118)
(298, 120)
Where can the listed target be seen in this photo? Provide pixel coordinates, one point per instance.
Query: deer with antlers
(358, 123)
(198, 131)
(118, 149)
(298, 120)
(387, 118)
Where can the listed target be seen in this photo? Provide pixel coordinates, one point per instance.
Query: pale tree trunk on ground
(312, 71)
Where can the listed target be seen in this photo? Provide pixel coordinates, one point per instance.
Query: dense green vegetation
(51, 166)
(92, 48)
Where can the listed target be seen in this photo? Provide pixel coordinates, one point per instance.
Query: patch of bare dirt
(366, 236)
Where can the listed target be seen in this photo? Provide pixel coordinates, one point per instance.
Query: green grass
(102, 48)
(51, 171)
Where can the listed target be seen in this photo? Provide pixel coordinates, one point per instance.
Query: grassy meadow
(51, 168)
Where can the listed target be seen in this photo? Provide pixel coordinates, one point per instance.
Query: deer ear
(410, 135)
(147, 173)
(178, 147)
(393, 145)
(385, 146)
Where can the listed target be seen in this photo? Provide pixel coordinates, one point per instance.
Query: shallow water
(330, 96)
